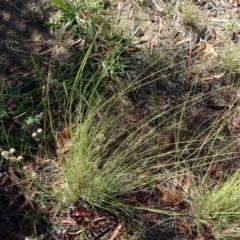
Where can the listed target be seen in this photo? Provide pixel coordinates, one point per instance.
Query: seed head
(39, 130)
(12, 150)
(34, 134)
(4, 153)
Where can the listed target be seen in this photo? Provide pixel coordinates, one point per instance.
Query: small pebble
(201, 2)
(221, 12)
(218, 4)
(214, 14)
(208, 6)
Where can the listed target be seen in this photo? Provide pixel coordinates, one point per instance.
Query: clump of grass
(109, 158)
(230, 59)
(187, 17)
(107, 161)
(219, 207)
(102, 163)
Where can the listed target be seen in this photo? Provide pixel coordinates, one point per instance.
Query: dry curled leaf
(187, 184)
(165, 141)
(210, 51)
(64, 139)
(200, 49)
(169, 197)
(61, 54)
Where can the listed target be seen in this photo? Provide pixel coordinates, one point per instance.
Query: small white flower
(4, 153)
(34, 175)
(40, 115)
(12, 150)
(25, 168)
(39, 130)
(34, 134)
(19, 158)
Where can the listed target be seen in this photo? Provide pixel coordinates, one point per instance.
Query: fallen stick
(116, 231)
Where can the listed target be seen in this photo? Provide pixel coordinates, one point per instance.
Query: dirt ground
(158, 27)
(155, 28)
(216, 22)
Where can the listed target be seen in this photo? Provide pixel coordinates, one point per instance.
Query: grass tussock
(219, 207)
(230, 59)
(154, 128)
(187, 16)
(107, 161)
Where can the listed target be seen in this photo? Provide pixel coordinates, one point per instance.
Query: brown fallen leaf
(65, 138)
(165, 141)
(61, 53)
(169, 197)
(213, 167)
(210, 51)
(200, 49)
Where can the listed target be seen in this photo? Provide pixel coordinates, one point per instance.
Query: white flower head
(39, 130)
(12, 150)
(25, 168)
(34, 134)
(34, 175)
(19, 158)
(4, 153)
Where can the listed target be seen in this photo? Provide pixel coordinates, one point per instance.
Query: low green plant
(219, 207)
(186, 10)
(230, 59)
(107, 159)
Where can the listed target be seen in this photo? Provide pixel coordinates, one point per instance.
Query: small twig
(218, 20)
(160, 26)
(130, 12)
(183, 41)
(116, 232)
(157, 6)
(120, 7)
(190, 40)
(75, 233)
